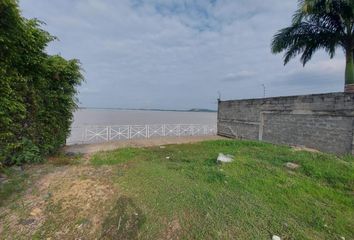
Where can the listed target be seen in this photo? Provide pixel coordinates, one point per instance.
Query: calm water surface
(133, 117)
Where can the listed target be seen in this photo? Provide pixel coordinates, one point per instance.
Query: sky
(180, 54)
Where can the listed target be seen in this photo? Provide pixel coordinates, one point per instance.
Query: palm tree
(319, 24)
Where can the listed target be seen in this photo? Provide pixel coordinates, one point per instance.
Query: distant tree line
(37, 90)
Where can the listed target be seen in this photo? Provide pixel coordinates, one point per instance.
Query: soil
(92, 148)
(62, 203)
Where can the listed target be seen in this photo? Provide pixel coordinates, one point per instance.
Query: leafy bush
(37, 91)
(27, 153)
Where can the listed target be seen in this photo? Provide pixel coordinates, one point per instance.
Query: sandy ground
(92, 148)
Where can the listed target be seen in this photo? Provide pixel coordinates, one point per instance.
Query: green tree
(319, 24)
(37, 91)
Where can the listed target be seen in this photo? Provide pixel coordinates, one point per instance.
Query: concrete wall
(321, 121)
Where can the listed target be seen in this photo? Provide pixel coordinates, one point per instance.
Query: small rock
(275, 237)
(162, 147)
(48, 196)
(4, 180)
(342, 238)
(303, 148)
(292, 166)
(17, 168)
(27, 221)
(71, 154)
(225, 158)
(35, 212)
(168, 157)
(3, 177)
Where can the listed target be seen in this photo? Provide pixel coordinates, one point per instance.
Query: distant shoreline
(144, 109)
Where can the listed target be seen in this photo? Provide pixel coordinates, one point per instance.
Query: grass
(181, 192)
(13, 185)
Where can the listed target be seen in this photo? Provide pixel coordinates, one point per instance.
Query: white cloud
(239, 76)
(177, 53)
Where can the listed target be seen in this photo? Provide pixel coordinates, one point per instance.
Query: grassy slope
(190, 196)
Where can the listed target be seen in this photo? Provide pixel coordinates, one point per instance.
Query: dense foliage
(319, 24)
(37, 91)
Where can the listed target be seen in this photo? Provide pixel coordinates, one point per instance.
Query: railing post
(85, 134)
(109, 133)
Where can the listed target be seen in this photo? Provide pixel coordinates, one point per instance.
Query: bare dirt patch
(173, 229)
(108, 146)
(61, 204)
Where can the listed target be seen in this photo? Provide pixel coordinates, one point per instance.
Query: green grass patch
(12, 185)
(253, 197)
(116, 157)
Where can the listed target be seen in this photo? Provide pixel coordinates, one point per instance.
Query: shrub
(37, 91)
(27, 152)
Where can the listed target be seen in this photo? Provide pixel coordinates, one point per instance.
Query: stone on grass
(47, 196)
(17, 168)
(71, 154)
(222, 158)
(275, 237)
(292, 166)
(36, 212)
(3, 177)
(27, 221)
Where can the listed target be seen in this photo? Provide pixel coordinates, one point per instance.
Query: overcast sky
(177, 54)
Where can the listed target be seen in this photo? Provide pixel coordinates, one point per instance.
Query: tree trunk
(349, 68)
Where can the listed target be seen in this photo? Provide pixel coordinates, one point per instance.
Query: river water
(132, 117)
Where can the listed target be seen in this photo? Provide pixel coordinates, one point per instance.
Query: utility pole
(264, 90)
(219, 96)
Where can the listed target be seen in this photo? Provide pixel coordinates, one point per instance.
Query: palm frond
(317, 24)
(306, 38)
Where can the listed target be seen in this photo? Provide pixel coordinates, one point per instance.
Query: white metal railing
(97, 134)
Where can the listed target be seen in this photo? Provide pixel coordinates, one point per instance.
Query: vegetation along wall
(322, 121)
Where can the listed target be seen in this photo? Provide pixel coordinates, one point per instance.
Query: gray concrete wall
(321, 121)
